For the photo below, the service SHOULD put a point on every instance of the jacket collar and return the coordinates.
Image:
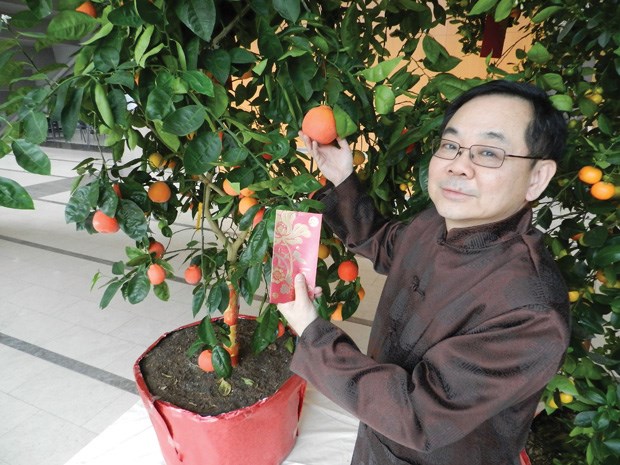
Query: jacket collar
(488, 235)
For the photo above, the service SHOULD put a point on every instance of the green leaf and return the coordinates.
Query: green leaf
(198, 15)
(613, 445)
(437, 57)
(545, 13)
(214, 299)
(31, 157)
(154, 51)
(69, 25)
(159, 104)
(562, 102)
(143, 42)
(502, 11)
(606, 256)
(254, 253)
(12, 195)
(162, 291)
(584, 418)
(288, 9)
(35, 127)
(306, 183)
(103, 105)
(81, 202)
(380, 71)
(198, 82)
(202, 153)
(539, 54)
(384, 100)
(125, 15)
(198, 299)
(40, 8)
(137, 288)
(184, 120)
(206, 333)
(71, 111)
(268, 43)
(171, 141)
(350, 31)
(109, 293)
(482, 6)
(266, 330)
(131, 219)
(221, 362)
(345, 126)
(554, 81)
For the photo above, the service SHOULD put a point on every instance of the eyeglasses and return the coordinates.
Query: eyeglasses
(481, 155)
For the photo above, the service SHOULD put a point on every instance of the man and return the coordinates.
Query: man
(473, 320)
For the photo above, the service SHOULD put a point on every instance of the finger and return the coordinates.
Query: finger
(318, 292)
(301, 287)
(341, 142)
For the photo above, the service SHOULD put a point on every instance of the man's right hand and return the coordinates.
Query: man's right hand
(335, 162)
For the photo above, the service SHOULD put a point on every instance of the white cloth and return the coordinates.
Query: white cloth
(326, 437)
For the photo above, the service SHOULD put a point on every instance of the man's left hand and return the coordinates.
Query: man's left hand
(301, 312)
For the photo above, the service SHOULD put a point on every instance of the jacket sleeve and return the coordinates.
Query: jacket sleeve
(351, 213)
(460, 383)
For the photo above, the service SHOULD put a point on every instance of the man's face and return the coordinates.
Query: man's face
(466, 194)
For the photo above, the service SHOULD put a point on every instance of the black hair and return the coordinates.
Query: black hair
(546, 133)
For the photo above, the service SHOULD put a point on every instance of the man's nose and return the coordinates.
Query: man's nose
(462, 165)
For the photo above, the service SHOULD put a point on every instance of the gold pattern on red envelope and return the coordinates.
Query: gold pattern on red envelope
(295, 250)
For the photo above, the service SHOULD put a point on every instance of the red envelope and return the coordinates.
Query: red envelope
(296, 241)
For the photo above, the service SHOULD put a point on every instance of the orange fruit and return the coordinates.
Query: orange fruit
(600, 275)
(156, 249)
(358, 157)
(566, 398)
(246, 203)
(205, 360)
(117, 189)
(337, 314)
(230, 317)
(319, 124)
(258, 217)
(573, 296)
(246, 192)
(348, 271)
(87, 8)
(229, 189)
(193, 274)
(156, 161)
(322, 180)
(590, 174)
(281, 329)
(323, 251)
(603, 190)
(104, 224)
(156, 274)
(410, 147)
(361, 293)
(159, 192)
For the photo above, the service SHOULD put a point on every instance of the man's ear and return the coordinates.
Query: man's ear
(541, 175)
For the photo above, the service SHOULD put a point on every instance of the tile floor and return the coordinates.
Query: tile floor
(66, 365)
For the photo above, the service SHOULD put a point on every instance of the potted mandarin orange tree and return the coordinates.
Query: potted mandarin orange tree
(210, 96)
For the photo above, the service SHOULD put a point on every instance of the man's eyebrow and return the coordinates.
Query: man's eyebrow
(487, 135)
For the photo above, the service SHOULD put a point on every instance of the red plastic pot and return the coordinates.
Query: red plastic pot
(261, 434)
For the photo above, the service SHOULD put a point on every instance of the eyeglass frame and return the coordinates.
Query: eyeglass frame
(439, 142)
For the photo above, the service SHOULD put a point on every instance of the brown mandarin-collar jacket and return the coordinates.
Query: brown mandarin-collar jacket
(471, 325)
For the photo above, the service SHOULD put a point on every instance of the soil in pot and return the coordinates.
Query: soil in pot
(548, 438)
(174, 377)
